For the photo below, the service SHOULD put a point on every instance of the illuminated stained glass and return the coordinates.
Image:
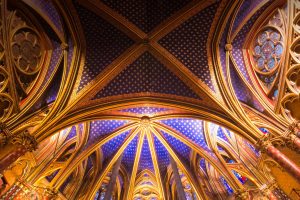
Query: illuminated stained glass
(268, 50)
(188, 196)
(241, 178)
(255, 151)
(264, 130)
(267, 55)
(226, 185)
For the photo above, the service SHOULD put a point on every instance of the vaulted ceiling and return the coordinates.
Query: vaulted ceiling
(147, 82)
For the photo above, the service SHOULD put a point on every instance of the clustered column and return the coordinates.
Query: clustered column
(14, 146)
(179, 187)
(266, 146)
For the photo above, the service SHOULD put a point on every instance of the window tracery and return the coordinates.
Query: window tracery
(146, 187)
(267, 52)
(23, 56)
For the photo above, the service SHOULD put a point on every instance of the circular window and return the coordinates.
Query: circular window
(267, 51)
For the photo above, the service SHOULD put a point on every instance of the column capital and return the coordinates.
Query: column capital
(23, 138)
(26, 140)
(242, 194)
(50, 193)
(294, 129)
(263, 143)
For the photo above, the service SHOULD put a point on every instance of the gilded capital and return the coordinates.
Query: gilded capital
(26, 140)
(263, 143)
(51, 193)
(242, 194)
(295, 129)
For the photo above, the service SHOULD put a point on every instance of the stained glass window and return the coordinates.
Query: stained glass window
(226, 185)
(264, 130)
(241, 178)
(255, 151)
(267, 54)
(268, 51)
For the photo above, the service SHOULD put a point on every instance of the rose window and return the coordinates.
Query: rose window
(268, 50)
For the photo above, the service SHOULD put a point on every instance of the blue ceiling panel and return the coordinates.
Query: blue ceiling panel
(101, 128)
(146, 159)
(129, 154)
(191, 128)
(111, 147)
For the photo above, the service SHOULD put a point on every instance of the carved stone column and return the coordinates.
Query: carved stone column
(266, 146)
(113, 179)
(179, 187)
(14, 146)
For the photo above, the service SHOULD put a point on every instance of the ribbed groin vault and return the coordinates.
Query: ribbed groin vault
(149, 99)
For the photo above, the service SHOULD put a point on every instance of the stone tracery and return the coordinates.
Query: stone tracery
(148, 109)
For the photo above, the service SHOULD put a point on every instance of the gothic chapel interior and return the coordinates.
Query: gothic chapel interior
(149, 99)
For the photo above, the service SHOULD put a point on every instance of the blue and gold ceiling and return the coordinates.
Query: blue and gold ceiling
(143, 84)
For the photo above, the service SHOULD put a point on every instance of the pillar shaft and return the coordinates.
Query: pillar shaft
(14, 146)
(11, 157)
(284, 161)
(179, 187)
(113, 179)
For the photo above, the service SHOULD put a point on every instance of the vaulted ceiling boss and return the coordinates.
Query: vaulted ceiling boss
(149, 99)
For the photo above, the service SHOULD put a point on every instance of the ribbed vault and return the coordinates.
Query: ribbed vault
(153, 100)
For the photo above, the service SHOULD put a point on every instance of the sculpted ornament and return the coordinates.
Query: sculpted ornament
(291, 101)
(51, 193)
(264, 143)
(26, 140)
(22, 56)
(242, 194)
